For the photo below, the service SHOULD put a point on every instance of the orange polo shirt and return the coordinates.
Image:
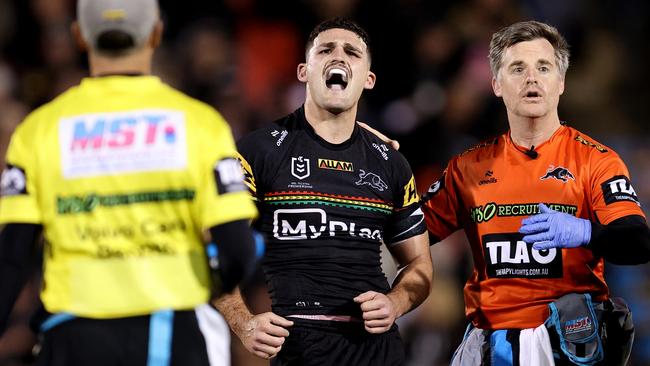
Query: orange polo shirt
(489, 189)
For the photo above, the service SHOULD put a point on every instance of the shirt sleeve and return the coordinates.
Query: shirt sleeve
(612, 193)
(18, 196)
(251, 156)
(407, 219)
(222, 194)
(440, 203)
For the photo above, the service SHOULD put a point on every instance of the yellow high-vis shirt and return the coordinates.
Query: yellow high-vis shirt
(124, 173)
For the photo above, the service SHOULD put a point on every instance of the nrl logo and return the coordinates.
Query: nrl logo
(300, 167)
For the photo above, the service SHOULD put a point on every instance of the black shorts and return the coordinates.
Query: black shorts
(322, 343)
(125, 341)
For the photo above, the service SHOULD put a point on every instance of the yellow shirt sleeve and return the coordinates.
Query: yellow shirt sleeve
(222, 195)
(18, 196)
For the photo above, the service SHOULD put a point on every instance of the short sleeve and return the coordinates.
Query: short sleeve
(18, 195)
(222, 194)
(407, 219)
(440, 203)
(252, 153)
(612, 193)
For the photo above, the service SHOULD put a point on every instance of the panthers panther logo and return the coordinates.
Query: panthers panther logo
(372, 180)
(559, 173)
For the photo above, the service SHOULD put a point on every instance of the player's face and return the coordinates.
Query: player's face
(529, 80)
(337, 70)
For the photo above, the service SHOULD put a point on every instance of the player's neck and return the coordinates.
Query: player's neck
(138, 62)
(333, 128)
(530, 132)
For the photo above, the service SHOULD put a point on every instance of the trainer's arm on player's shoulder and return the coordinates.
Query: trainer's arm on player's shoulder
(410, 288)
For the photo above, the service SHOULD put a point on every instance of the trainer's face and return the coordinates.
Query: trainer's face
(529, 80)
(337, 70)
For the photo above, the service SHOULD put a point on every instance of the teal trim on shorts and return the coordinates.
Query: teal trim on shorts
(161, 329)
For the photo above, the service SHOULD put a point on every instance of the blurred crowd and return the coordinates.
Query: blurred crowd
(433, 94)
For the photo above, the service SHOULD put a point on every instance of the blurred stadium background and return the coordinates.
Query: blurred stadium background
(433, 94)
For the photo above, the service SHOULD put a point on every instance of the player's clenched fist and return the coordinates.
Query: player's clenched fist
(379, 312)
(264, 334)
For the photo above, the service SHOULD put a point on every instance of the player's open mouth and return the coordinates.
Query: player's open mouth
(336, 78)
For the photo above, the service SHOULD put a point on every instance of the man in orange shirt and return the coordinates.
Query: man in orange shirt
(578, 206)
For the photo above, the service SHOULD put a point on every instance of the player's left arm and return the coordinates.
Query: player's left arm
(407, 240)
(410, 288)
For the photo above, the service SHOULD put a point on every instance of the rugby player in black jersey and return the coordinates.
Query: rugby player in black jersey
(330, 194)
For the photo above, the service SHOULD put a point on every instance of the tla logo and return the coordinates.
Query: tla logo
(618, 189)
(507, 256)
(300, 167)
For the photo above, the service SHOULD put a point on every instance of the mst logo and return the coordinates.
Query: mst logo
(559, 173)
(582, 324)
(507, 256)
(312, 223)
(120, 142)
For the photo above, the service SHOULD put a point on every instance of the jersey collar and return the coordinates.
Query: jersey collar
(302, 121)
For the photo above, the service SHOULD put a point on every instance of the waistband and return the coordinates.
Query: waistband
(335, 318)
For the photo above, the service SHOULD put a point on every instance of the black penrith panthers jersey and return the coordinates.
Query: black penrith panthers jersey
(325, 209)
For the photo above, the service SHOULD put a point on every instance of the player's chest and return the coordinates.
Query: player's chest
(351, 173)
(321, 194)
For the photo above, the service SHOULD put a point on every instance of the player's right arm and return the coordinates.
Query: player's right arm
(261, 334)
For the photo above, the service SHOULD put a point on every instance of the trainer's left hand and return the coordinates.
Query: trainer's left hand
(552, 229)
(393, 143)
(379, 312)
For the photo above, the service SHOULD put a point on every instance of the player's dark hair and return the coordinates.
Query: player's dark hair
(339, 23)
(528, 31)
(114, 43)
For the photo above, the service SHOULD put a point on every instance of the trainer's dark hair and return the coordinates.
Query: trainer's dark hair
(339, 23)
(528, 31)
(114, 43)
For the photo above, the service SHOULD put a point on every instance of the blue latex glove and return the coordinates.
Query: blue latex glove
(552, 229)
